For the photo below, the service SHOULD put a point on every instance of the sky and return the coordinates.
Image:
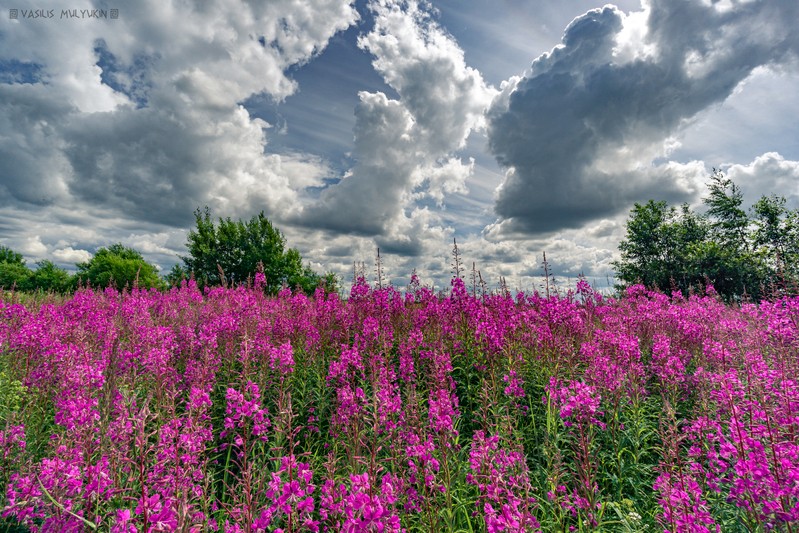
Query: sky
(514, 127)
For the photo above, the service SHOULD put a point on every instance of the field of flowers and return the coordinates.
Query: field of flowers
(397, 411)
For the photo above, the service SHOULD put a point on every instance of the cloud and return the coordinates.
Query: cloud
(70, 255)
(405, 148)
(750, 122)
(33, 167)
(114, 131)
(569, 253)
(33, 246)
(426, 67)
(768, 172)
(369, 197)
(415, 234)
(69, 234)
(579, 131)
(160, 168)
(139, 118)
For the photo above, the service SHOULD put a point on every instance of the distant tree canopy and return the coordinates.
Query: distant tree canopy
(738, 253)
(120, 267)
(239, 249)
(49, 277)
(235, 250)
(9, 256)
(15, 274)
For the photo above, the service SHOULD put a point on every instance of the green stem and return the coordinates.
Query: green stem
(92, 525)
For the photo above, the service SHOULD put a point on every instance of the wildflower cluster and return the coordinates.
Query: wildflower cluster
(229, 410)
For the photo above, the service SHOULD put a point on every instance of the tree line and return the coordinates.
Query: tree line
(224, 252)
(742, 254)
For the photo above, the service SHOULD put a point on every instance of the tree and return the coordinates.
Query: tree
(330, 282)
(50, 278)
(732, 273)
(236, 249)
(658, 245)
(738, 253)
(729, 220)
(176, 275)
(7, 255)
(14, 274)
(120, 267)
(776, 235)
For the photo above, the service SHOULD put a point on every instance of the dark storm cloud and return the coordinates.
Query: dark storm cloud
(32, 169)
(562, 131)
(144, 164)
(408, 247)
(341, 250)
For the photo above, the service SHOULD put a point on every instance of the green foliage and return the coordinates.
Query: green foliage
(729, 221)
(740, 254)
(12, 399)
(14, 276)
(50, 278)
(176, 275)
(231, 252)
(7, 255)
(120, 267)
(47, 277)
(776, 235)
(12, 393)
(330, 282)
(733, 273)
(659, 246)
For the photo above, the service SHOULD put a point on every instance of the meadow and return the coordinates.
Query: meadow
(229, 410)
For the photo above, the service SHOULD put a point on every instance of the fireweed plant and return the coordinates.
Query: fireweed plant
(229, 410)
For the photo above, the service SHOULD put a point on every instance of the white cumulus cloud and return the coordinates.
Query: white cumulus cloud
(405, 148)
(142, 115)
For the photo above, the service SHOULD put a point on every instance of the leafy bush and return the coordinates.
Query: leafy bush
(7, 255)
(120, 267)
(14, 276)
(50, 278)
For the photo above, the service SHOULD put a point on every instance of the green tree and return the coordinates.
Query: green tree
(330, 282)
(730, 222)
(236, 249)
(737, 253)
(732, 273)
(176, 275)
(658, 245)
(14, 273)
(50, 278)
(776, 235)
(119, 266)
(7, 255)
